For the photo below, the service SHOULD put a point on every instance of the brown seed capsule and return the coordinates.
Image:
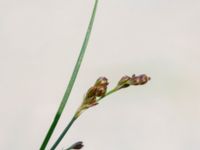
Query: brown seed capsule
(101, 90)
(124, 82)
(91, 92)
(144, 79)
(102, 81)
(139, 80)
(88, 102)
(135, 81)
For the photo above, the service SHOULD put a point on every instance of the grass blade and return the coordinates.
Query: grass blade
(72, 80)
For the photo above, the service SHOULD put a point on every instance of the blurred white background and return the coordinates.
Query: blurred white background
(39, 44)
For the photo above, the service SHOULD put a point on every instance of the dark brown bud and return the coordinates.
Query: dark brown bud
(77, 145)
(124, 82)
(102, 81)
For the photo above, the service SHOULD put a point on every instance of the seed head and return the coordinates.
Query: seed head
(101, 81)
(91, 92)
(101, 90)
(139, 80)
(97, 90)
(126, 81)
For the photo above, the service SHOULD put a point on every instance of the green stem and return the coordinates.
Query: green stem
(108, 93)
(77, 114)
(71, 82)
(63, 133)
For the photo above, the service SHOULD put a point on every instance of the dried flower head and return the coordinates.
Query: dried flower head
(101, 81)
(91, 92)
(97, 90)
(101, 90)
(139, 80)
(126, 81)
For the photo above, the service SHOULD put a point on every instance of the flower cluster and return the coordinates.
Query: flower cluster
(99, 89)
(96, 91)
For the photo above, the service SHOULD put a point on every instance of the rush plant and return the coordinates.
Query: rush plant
(94, 95)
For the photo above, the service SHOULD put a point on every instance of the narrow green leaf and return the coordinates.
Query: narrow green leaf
(72, 80)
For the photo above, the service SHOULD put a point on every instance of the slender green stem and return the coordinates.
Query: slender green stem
(72, 80)
(63, 133)
(77, 114)
(108, 93)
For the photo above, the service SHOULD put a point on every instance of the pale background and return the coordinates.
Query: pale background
(39, 44)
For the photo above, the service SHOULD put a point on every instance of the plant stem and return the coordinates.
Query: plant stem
(63, 133)
(72, 80)
(108, 93)
(73, 120)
